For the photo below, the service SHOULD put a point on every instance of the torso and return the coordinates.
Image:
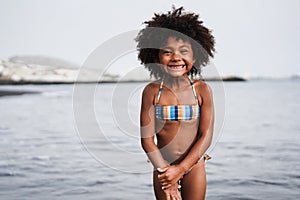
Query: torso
(176, 133)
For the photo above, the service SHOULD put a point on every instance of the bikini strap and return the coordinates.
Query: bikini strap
(194, 90)
(162, 83)
(160, 89)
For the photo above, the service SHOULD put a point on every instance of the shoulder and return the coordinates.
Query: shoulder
(204, 92)
(151, 90)
(151, 87)
(202, 87)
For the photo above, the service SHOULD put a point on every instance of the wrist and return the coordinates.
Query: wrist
(162, 168)
(182, 168)
(165, 165)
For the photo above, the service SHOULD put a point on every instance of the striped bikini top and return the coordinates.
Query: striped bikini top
(177, 112)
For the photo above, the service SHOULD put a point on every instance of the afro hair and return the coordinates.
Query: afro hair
(178, 24)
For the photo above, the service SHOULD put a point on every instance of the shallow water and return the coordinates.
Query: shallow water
(56, 146)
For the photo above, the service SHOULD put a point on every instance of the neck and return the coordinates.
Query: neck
(176, 82)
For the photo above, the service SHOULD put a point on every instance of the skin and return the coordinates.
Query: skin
(178, 142)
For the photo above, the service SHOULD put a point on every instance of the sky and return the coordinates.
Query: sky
(253, 37)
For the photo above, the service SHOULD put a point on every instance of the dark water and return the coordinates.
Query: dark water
(51, 149)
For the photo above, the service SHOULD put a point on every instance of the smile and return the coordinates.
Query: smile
(176, 67)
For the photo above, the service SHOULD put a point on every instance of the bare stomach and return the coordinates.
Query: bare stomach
(175, 138)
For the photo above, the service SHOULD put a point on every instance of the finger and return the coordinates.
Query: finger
(168, 197)
(178, 198)
(162, 170)
(179, 195)
(167, 182)
(166, 178)
(171, 195)
(162, 178)
(166, 186)
(175, 196)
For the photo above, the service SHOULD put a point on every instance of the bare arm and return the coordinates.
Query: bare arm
(147, 127)
(205, 129)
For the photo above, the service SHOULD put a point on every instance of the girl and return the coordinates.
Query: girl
(176, 107)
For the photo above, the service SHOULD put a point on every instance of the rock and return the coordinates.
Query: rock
(233, 78)
(20, 72)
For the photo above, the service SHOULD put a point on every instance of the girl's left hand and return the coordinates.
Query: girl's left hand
(170, 175)
(172, 193)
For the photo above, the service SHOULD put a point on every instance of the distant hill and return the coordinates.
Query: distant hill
(43, 60)
(45, 70)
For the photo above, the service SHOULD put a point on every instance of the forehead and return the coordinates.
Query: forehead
(176, 42)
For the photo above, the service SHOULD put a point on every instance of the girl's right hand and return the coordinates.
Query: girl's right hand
(170, 175)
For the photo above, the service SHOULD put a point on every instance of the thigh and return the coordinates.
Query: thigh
(159, 193)
(193, 185)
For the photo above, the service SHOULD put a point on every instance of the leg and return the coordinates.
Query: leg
(193, 185)
(159, 193)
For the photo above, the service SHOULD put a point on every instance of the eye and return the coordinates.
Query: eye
(184, 51)
(167, 52)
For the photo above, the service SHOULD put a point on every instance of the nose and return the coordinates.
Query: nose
(175, 57)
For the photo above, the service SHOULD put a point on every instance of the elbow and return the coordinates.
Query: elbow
(209, 137)
(206, 138)
(209, 142)
(146, 145)
(143, 144)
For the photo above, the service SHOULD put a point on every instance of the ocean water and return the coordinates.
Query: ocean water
(82, 142)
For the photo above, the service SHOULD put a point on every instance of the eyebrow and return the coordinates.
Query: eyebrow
(182, 46)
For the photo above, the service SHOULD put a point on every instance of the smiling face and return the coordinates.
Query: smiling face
(176, 57)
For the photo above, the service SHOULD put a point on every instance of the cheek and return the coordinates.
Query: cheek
(163, 60)
(190, 60)
(194, 60)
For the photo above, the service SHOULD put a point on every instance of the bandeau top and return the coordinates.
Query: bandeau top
(177, 112)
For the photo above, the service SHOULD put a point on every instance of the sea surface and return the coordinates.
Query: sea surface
(82, 142)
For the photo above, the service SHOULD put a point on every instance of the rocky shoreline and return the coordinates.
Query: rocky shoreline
(18, 71)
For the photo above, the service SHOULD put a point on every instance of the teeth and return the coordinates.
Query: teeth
(176, 66)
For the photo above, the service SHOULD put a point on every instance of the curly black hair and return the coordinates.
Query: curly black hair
(178, 24)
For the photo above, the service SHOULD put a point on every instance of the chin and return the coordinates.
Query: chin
(175, 75)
